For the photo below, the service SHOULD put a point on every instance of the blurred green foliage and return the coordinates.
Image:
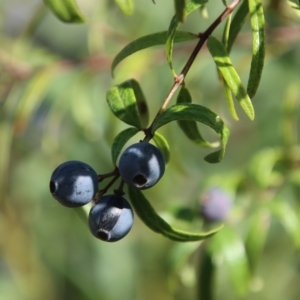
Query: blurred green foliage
(53, 82)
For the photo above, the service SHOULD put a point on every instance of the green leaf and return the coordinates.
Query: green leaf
(256, 237)
(151, 219)
(140, 102)
(190, 6)
(229, 246)
(287, 215)
(227, 91)
(258, 45)
(226, 31)
(158, 38)
(162, 145)
(223, 62)
(229, 99)
(262, 165)
(206, 276)
(180, 10)
(65, 10)
(237, 23)
(198, 113)
(190, 127)
(295, 4)
(126, 6)
(120, 140)
(33, 96)
(123, 102)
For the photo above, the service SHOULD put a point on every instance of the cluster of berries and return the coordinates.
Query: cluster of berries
(74, 184)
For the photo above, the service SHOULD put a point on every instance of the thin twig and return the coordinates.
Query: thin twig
(179, 80)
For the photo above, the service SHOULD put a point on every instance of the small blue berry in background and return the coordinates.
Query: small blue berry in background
(111, 218)
(215, 205)
(74, 183)
(141, 165)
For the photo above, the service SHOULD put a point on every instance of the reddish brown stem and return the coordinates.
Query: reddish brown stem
(179, 80)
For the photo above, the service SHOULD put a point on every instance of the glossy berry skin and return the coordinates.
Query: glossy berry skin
(141, 165)
(215, 205)
(111, 218)
(74, 183)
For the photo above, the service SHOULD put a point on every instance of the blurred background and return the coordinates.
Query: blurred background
(53, 81)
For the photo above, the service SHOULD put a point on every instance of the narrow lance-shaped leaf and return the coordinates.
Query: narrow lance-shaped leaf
(198, 113)
(158, 38)
(206, 275)
(151, 219)
(140, 102)
(223, 62)
(295, 4)
(258, 45)
(33, 96)
(256, 238)
(65, 10)
(229, 99)
(228, 245)
(162, 145)
(120, 140)
(180, 10)
(237, 23)
(122, 102)
(190, 127)
(227, 91)
(126, 6)
(190, 6)
(287, 215)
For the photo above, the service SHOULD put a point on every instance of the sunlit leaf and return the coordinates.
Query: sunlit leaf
(258, 45)
(288, 217)
(162, 145)
(82, 213)
(229, 99)
(256, 237)
(223, 62)
(148, 215)
(65, 10)
(295, 4)
(120, 140)
(190, 127)
(123, 103)
(158, 38)
(198, 113)
(126, 6)
(237, 23)
(227, 91)
(228, 245)
(190, 6)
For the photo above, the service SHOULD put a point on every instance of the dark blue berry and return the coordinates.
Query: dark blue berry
(74, 183)
(111, 218)
(215, 205)
(141, 165)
